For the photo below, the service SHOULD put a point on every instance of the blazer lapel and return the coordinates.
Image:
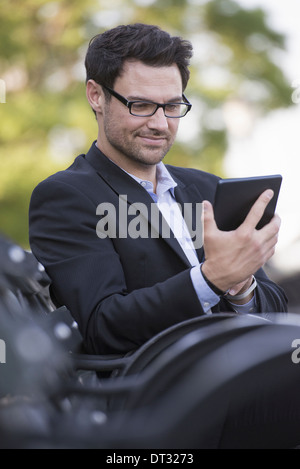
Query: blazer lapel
(132, 192)
(190, 199)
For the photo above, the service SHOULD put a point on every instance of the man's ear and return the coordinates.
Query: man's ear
(94, 95)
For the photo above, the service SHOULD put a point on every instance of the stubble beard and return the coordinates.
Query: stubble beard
(132, 149)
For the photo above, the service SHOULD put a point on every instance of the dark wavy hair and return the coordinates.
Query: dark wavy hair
(149, 44)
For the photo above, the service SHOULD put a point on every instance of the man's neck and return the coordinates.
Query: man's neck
(142, 171)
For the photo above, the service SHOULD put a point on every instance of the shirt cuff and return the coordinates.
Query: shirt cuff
(247, 308)
(206, 296)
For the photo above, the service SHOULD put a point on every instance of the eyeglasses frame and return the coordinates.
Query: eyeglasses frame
(128, 104)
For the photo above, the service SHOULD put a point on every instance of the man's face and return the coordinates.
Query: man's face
(132, 141)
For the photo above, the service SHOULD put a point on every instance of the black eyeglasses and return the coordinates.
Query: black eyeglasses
(147, 108)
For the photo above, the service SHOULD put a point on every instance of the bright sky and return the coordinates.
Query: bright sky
(273, 144)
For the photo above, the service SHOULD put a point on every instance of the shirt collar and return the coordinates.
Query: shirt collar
(164, 180)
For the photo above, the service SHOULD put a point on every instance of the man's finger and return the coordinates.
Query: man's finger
(257, 209)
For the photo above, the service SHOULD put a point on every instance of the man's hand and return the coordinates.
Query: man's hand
(232, 257)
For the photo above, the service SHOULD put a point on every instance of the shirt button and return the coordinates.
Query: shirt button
(143, 183)
(206, 304)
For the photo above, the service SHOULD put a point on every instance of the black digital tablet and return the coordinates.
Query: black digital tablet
(235, 197)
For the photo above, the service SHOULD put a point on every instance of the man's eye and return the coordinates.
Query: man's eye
(141, 106)
(173, 108)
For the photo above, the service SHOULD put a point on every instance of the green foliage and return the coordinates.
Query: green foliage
(46, 120)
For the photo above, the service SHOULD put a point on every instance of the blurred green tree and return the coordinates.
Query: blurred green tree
(46, 121)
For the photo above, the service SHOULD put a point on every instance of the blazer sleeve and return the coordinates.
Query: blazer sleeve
(88, 277)
(270, 297)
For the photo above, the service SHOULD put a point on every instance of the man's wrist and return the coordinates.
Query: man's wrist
(245, 294)
(212, 286)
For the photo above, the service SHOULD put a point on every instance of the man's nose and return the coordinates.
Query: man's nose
(158, 120)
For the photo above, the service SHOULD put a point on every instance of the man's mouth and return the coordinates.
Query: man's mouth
(155, 140)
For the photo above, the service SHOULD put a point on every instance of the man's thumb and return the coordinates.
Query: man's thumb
(208, 214)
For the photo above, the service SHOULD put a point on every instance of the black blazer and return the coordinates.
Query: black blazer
(121, 291)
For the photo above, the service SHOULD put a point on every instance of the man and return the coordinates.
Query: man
(123, 283)
(119, 232)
